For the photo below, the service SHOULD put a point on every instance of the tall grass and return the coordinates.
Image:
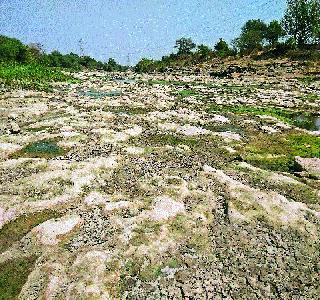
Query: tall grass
(30, 76)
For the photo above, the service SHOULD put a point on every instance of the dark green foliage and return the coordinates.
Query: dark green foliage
(274, 32)
(302, 21)
(75, 62)
(145, 65)
(184, 46)
(12, 50)
(204, 52)
(222, 48)
(28, 67)
(252, 36)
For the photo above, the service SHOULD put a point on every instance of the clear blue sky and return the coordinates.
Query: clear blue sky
(143, 28)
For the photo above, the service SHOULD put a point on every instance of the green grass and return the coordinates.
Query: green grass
(15, 230)
(299, 119)
(13, 275)
(186, 93)
(277, 152)
(311, 97)
(308, 79)
(280, 114)
(31, 77)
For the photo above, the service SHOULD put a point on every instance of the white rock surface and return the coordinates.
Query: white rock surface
(50, 231)
(165, 208)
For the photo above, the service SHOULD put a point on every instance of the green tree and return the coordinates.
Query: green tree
(111, 65)
(184, 46)
(35, 51)
(222, 48)
(301, 21)
(315, 21)
(144, 65)
(252, 36)
(274, 32)
(12, 50)
(204, 51)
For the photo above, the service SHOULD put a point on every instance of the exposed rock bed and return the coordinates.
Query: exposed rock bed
(162, 189)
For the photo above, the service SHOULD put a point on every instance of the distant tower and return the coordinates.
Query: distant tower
(81, 47)
(128, 59)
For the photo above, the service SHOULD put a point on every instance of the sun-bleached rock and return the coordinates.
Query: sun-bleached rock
(51, 231)
(134, 150)
(9, 147)
(96, 198)
(110, 206)
(270, 204)
(310, 165)
(165, 208)
(219, 119)
(190, 130)
(6, 215)
(134, 131)
(229, 136)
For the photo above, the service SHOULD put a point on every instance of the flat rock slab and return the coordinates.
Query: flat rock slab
(165, 208)
(310, 165)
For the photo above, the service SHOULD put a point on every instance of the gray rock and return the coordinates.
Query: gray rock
(308, 165)
(14, 128)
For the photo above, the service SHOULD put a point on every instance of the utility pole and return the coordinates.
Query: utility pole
(81, 47)
(128, 60)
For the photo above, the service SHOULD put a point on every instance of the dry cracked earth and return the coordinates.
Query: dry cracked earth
(197, 184)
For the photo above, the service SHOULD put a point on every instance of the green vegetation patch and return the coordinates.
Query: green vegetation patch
(18, 228)
(312, 97)
(308, 79)
(31, 76)
(13, 275)
(145, 233)
(243, 109)
(277, 152)
(187, 93)
(40, 149)
(305, 120)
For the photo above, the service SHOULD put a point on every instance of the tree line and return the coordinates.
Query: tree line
(13, 51)
(297, 31)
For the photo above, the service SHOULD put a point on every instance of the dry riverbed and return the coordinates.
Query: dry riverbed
(186, 185)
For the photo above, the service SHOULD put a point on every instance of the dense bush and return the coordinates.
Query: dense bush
(12, 50)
